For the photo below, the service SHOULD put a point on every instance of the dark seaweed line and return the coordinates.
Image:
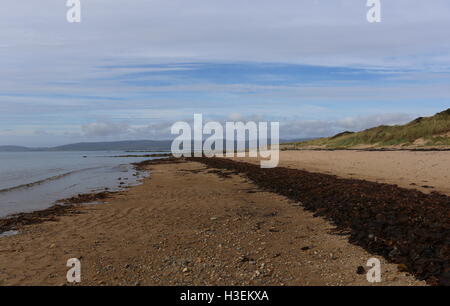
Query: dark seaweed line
(404, 226)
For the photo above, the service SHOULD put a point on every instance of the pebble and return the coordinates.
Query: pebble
(360, 270)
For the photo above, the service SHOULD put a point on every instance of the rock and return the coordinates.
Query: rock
(360, 270)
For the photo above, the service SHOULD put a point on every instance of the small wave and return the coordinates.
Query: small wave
(48, 179)
(8, 233)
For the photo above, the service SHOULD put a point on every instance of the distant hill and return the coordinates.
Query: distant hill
(13, 149)
(131, 145)
(422, 132)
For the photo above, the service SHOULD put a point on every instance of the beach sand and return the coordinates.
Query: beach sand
(190, 225)
(425, 171)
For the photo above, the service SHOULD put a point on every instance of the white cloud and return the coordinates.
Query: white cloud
(52, 71)
(296, 31)
(289, 128)
(320, 128)
(364, 122)
(104, 129)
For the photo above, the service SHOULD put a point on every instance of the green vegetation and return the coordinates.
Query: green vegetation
(423, 131)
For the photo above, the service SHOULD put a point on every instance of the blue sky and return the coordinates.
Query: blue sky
(131, 69)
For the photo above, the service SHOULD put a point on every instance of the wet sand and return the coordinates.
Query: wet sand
(189, 225)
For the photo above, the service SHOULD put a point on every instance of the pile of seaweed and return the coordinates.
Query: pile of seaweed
(16, 221)
(142, 166)
(86, 198)
(64, 207)
(405, 226)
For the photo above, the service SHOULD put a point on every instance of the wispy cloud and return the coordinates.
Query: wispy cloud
(148, 63)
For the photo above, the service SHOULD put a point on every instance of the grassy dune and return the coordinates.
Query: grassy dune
(422, 132)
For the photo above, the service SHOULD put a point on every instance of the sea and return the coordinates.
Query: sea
(32, 181)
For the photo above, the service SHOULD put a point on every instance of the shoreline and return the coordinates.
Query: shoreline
(31, 182)
(189, 225)
(65, 206)
(74, 211)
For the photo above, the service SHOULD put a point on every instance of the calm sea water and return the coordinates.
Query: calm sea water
(35, 180)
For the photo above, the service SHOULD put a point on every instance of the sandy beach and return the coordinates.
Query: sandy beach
(424, 171)
(124, 130)
(188, 224)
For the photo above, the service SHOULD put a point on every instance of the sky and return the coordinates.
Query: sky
(132, 68)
